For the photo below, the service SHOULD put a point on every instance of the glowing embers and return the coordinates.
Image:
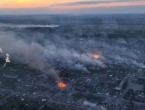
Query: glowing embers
(61, 85)
(96, 56)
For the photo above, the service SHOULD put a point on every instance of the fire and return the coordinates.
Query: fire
(61, 85)
(96, 56)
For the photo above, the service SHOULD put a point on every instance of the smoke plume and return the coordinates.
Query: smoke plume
(46, 51)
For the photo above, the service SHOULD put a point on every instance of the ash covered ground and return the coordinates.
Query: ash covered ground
(72, 62)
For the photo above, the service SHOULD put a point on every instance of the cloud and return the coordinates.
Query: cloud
(105, 10)
(43, 10)
(80, 3)
(82, 7)
(91, 2)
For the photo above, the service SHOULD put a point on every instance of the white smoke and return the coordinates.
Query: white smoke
(7, 60)
(69, 53)
(27, 26)
(1, 50)
(81, 67)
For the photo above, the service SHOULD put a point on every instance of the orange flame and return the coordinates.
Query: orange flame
(96, 56)
(61, 85)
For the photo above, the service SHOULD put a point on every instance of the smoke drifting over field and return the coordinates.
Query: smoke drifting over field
(45, 51)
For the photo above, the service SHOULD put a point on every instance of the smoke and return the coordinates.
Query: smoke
(28, 53)
(27, 26)
(1, 50)
(47, 51)
(7, 60)
(81, 67)
(44, 57)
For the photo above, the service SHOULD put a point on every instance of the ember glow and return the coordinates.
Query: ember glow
(96, 56)
(61, 85)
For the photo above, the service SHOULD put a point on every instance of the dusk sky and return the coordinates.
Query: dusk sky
(71, 6)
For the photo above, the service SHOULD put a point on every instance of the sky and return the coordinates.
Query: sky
(71, 6)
